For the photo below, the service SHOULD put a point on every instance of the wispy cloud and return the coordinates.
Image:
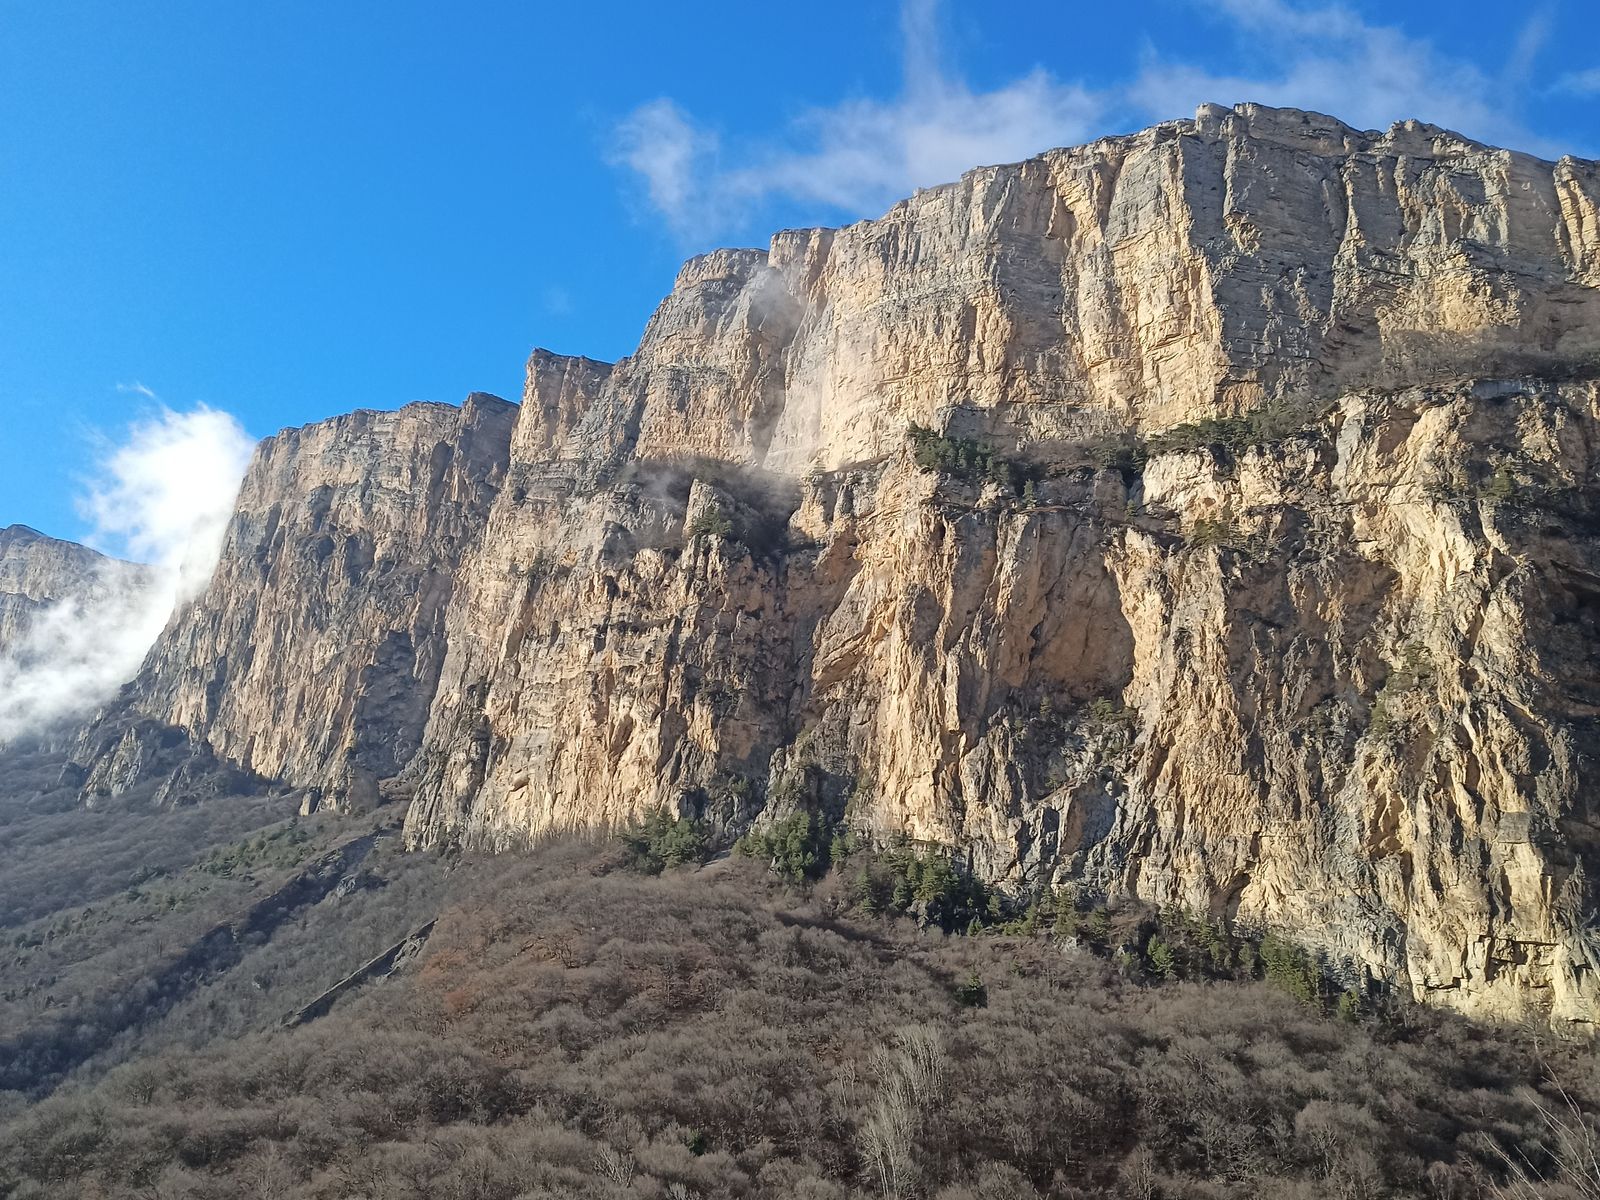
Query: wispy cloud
(162, 497)
(671, 155)
(556, 301)
(1580, 83)
(856, 157)
(1530, 42)
(1329, 59)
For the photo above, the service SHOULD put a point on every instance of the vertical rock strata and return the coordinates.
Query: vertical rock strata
(312, 655)
(1325, 664)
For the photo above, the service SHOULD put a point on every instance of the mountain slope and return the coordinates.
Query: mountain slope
(573, 1030)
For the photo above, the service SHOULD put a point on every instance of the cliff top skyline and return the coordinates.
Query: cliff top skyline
(290, 218)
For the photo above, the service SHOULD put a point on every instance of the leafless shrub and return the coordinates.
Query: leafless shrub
(1574, 1145)
(911, 1080)
(616, 1165)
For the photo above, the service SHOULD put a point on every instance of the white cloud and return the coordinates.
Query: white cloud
(162, 497)
(866, 155)
(857, 157)
(1329, 59)
(661, 144)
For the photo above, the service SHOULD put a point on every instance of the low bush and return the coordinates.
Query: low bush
(660, 840)
(1293, 969)
(798, 848)
(710, 521)
(1271, 423)
(926, 884)
(1220, 531)
(287, 846)
(971, 992)
(970, 460)
(1261, 426)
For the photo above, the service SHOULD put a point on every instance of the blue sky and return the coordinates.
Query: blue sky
(288, 210)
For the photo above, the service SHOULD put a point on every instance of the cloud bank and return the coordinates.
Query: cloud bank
(856, 158)
(163, 498)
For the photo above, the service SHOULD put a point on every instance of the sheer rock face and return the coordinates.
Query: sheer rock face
(1332, 673)
(1339, 682)
(1195, 268)
(312, 655)
(37, 572)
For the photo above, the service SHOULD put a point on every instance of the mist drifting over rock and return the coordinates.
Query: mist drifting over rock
(74, 623)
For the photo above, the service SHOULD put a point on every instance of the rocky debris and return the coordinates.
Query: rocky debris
(380, 966)
(119, 753)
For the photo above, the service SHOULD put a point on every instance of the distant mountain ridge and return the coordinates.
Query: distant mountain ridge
(37, 571)
(1207, 515)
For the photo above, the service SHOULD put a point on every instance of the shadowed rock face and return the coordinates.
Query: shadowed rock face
(1329, 669)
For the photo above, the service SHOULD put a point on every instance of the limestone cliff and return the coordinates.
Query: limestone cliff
(1206, 514)
(312, 655)
(1327, 667)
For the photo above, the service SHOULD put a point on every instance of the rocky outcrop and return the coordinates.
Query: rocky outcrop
(379, 966)
(1206, 515)
(39, 572)
(311, 656)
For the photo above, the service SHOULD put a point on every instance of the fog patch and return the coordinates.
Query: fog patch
(162, 497)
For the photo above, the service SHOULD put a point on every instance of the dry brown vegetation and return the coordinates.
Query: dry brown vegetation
(576, 1029)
